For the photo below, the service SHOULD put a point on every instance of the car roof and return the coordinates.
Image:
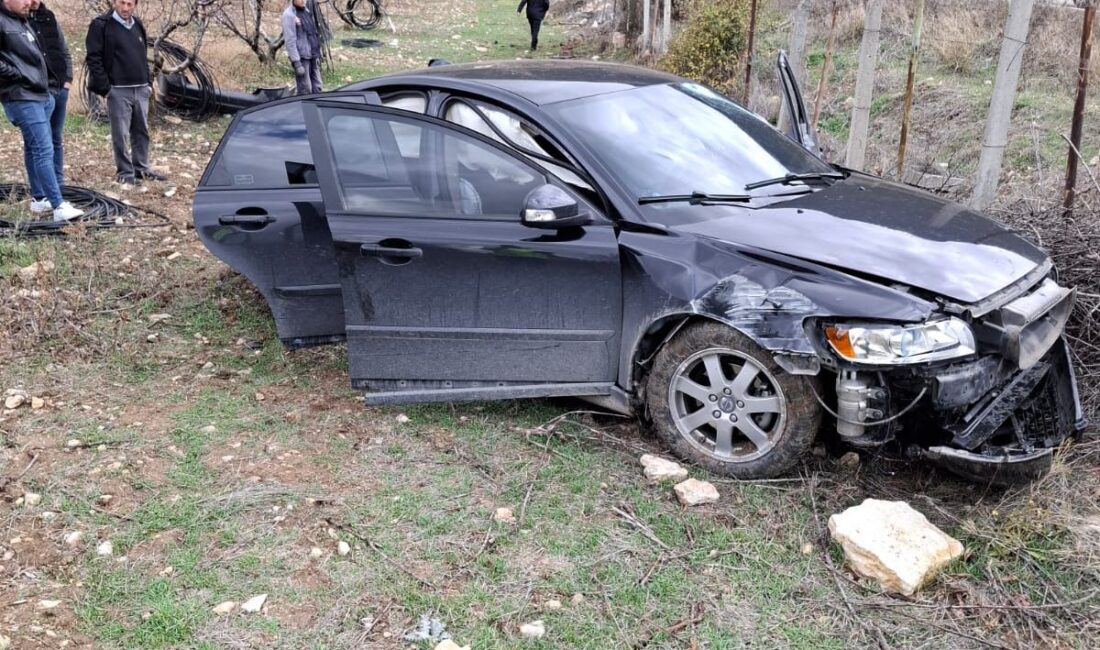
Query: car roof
(539, 81)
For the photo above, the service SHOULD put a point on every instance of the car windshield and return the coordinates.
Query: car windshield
(681, 138)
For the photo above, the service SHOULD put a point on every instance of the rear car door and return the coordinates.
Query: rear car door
(447, 294)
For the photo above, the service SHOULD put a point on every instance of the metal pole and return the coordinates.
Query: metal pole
(914, 54)
(1079, 108)
(748, 61)
(825, 65)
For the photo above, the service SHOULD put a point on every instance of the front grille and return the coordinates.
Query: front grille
(1047, 417)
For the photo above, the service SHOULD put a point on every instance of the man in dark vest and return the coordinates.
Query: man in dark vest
(303, 46)
(25, 95)
(536, 11)
(59, 66)
(118, 69)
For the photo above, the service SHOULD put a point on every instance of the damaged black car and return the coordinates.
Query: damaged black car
(562, 228)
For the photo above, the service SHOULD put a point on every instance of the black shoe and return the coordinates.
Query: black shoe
(126, 179)
(150, 175)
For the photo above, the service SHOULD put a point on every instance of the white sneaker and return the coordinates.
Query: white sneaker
(40, 206)
(66, 212)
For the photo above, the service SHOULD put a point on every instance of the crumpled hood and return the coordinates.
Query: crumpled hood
(883, 229)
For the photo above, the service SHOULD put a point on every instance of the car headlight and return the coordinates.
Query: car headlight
(901, 344)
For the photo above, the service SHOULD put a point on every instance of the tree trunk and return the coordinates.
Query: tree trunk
(1000, 107)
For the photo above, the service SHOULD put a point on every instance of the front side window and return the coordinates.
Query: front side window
(463, 177)
(679, 138)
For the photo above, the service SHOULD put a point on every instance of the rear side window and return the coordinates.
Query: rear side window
(266, 149)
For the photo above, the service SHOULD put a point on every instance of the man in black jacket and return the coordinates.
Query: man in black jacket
(536, 11)
(118, 69)
(25, 95)
(59, 68)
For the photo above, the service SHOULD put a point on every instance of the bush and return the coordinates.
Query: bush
(711, 48)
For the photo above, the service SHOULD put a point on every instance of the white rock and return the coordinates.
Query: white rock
(447, 644)
(532, 630)
(553, 604)
(48, 604)
(14, 401)
(105, 548)
(316, 553)
(210, 428)
(693, 492)
(662, 469)
(31, 499)
(74, 443)
(577, 599)
(893, 543)
(74, 538)
(156, 318)
(504, 516)
(254, 604)
(343, 548)
(402, 418)
(5, 642)
(37, 403)
(222, 609)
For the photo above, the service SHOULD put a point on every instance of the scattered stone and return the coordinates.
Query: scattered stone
(447, 644)
(532, 630)
(104, 499)
(316, 553)
(849, 462)
(175, 255)
(37, 403)
(74, 538)
(343, 548)
(14, 401)
(893, 543)
(807, 548)
(504, 516)
(428, 629)
(694, 492)
(5, 642)
(260, 397)
(577, 599)
(227, 458)
(210, 428)
(167, 571)
(157, 318)
(106, 548)
(31, 499)
(209, 365)
(553, 605)
(48, 604)
(254, 604)
(170, 192)
(74, 443)
(48, 516)
(402, 418)
(172, 119)
(221, 609)
(34, 270)
(662, 469)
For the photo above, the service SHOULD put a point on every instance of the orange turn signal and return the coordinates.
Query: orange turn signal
(838, 338)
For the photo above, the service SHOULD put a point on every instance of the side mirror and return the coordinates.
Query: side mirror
(550, 207)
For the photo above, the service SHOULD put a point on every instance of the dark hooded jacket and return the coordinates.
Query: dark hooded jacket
(535, 8)
(59, 63)
(23, 75)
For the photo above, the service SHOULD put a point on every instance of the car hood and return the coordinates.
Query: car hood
(874, 227)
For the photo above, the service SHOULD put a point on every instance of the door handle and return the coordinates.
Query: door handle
(254, 220)
(378, 250)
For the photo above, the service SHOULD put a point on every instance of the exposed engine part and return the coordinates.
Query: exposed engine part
(853, 395)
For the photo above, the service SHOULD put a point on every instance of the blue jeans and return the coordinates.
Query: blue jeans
(33, 120)
(57, 127)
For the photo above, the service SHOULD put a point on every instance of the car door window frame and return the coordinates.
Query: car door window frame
(442, 126)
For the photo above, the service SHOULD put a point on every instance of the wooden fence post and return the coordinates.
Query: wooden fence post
(748, 58)
(1079, 108)
(914, 55)
(865, 86)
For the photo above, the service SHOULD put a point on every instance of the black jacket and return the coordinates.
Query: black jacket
(535, 8)
(23, 75)
(103, 71)
(58, 61)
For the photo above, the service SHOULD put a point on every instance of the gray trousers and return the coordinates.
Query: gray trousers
(310, 82)
(128, 109)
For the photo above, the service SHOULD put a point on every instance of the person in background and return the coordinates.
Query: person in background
(303, 46)
(119, 70)
(536, 11)
(25, 95)
(59, 68)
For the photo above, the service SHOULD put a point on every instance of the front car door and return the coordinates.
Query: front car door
(800, 128)
(447, 295)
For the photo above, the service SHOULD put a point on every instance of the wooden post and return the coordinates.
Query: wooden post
(1079, 108)
(825, 65)
(865, 86)
(914, 55)
(1000, 106)
(796, 53)
(748, 58)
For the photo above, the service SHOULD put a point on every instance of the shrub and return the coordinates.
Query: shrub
(710, 49)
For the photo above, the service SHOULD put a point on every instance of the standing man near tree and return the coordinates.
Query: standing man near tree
(25, 95)
(536, 11)
(59, 66)
(303, 46)
(118, 69)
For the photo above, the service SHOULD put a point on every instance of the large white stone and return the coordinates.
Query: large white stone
(662, 469)
(694, 492)
(893, 543)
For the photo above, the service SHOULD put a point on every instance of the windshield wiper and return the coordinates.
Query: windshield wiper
(696, 198)
(791, 178)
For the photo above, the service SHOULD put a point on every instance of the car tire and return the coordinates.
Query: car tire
(767, 418)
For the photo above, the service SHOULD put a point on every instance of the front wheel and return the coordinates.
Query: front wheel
(720, 401)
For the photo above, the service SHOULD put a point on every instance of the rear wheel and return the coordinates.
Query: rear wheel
(720, 401)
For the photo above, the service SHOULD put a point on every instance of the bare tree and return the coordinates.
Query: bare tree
(245, 20)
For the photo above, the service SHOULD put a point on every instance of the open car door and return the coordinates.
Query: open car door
(449, 294)
(800, 129)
